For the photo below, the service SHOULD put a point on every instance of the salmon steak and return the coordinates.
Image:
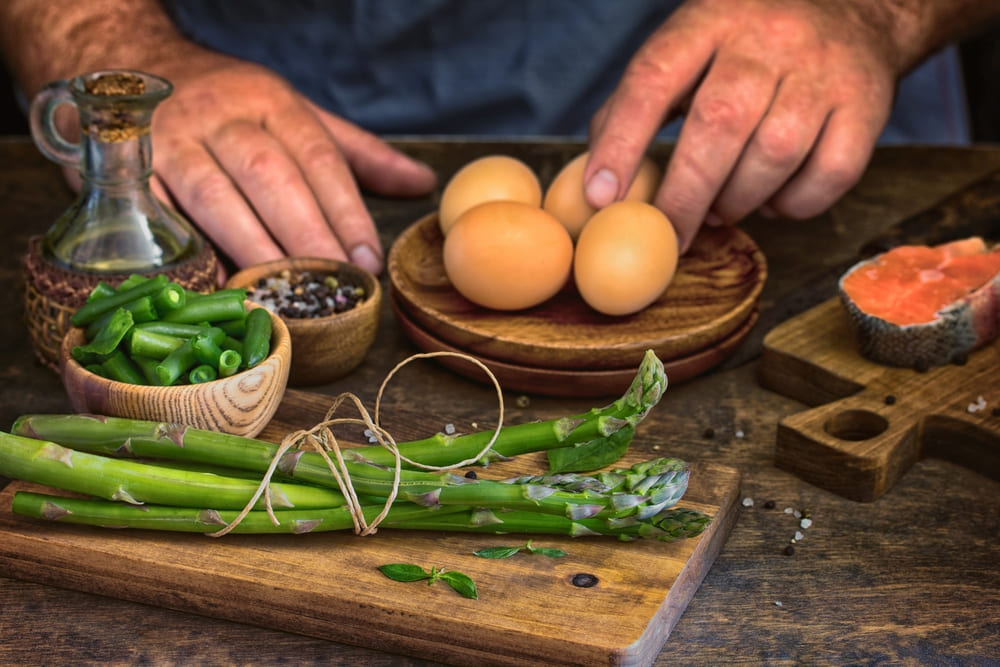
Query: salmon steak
(923, 306)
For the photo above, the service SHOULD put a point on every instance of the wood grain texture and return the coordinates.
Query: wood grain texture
(575, 382)
(241, 404)
(715, 290)
(872, 421)
(327, 585)
(910, 578)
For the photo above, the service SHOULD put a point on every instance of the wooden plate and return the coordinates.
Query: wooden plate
(717, 287)
(564, 382)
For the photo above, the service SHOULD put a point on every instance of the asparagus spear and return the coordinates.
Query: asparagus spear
(644, 489)
(133, 482)
(109, 435)
(193, 520)
(668, 525)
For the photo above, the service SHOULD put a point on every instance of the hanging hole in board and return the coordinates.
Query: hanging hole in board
(856, 425)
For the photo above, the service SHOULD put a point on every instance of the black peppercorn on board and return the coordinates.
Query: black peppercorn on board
(617, 601)
(871, 422)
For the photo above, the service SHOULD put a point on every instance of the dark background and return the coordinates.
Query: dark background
(980, 61)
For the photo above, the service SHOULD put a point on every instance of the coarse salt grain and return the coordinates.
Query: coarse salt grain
(798, 535)
(805, 523)
(449, 429)
(980, 404)
(748, 502)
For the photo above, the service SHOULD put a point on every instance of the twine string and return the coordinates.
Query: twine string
(321, 439)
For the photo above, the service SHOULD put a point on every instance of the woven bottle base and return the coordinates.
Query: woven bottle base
(53, 293)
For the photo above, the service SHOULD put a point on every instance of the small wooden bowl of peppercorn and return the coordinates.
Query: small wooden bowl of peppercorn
(331, 309)
(242, 403)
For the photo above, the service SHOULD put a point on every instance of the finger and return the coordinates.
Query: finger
(274, 184)
(776, 150)
(725, 112)
(205, 193)
(338, 211)
(660, 75)
(378, 166)
(835, 165)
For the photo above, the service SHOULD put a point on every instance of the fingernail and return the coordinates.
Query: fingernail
(365, 257)
(602, 188)
(713, 220)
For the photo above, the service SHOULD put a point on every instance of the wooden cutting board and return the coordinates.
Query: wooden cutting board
(872, 422)
(327, 585)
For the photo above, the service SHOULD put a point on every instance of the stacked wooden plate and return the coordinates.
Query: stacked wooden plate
(564, 348)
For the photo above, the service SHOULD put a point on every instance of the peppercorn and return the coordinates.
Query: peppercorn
(304, 295)
(890, 400)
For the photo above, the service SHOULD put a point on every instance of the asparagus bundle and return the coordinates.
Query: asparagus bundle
(609, 425)
(177, 492)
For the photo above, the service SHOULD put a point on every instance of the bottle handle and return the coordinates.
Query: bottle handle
(43, 128)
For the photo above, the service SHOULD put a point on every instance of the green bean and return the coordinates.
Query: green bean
(142, 311)
(171, 297)
(257, 342)
(230, 343)
(130, 282)
(100, 291)
(182, 359)
(202, 373)
(235, 328)
(120, 368)
(229, 362)
(207, 309)
(93, 310)
(106, 340)
(226, 293)
(206, 350)
(148, 367)
(175, 329)
(146, 343)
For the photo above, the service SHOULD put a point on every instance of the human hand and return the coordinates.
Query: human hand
(265, 173)
(784, 101)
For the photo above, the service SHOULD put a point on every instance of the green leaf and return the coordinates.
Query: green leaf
(591, 455)
(547, 551)
(460, 583)
(404, 572)
(507, 552)
(496, 552)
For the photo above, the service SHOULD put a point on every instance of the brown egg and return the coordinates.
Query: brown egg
(564, 197)
(486, 179)
(625, 257)
(507, 255)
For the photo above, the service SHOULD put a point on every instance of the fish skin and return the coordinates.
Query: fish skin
(958, 329)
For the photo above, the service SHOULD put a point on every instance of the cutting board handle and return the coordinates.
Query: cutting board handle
(872, 422)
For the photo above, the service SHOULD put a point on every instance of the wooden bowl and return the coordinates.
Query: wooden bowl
(241, 404)
(324, 348)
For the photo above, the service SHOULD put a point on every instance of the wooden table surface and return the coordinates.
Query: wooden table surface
(913, 577)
